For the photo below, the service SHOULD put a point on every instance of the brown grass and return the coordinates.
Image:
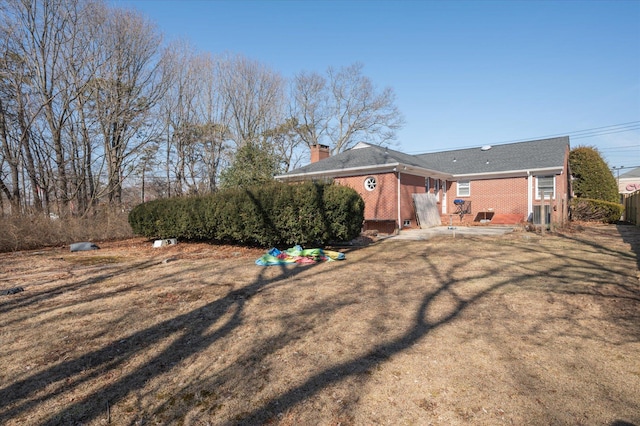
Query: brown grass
(521, 329)
(27, 232)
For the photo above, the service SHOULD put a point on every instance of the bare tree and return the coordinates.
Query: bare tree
(52, 43)
(311, 107)
(127, 88)
(10, 153)
(255, 95)
(46, 35)
(214, 113)
(344, 109)
(88, 96)
(285, 139)
(180, 115)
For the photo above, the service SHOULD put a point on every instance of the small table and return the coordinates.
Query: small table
(462, 207)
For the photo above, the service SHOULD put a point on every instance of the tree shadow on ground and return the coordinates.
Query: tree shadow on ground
(438, 308)
(198, 329)
(631, 235)
(194, 331)
(33, 295)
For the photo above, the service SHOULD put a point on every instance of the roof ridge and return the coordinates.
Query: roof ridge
(563, 138)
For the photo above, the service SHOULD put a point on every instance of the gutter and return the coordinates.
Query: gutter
(510, 173)
(341, 172)
(354, 171)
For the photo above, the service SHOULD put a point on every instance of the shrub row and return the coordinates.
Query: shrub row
(269, 215)
(591, 210)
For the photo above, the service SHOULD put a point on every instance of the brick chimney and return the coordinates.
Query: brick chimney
(319, 152)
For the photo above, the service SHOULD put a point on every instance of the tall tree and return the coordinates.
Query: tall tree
(285, 140)
(214, 112)
(44, 36)
(10, 131)
(128, 86)
(255, 98)
(179, 105)
(254, 94)
(343, 109)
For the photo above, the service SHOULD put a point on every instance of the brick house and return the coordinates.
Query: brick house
(500, 184)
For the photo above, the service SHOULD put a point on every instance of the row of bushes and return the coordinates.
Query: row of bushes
(269, 215)
(591, 210)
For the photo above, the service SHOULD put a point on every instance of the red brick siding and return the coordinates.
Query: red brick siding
(409, 185)
(382, 202)
(508, 195)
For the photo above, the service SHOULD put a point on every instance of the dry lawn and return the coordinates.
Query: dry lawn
(522, 329)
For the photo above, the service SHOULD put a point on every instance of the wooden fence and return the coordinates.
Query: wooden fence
(632, 208)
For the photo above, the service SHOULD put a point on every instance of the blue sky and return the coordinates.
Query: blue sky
(465, 73)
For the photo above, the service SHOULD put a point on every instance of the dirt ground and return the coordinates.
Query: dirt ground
(521, 329)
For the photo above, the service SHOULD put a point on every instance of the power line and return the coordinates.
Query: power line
(627, 148)
(576, 134)
(588, 133)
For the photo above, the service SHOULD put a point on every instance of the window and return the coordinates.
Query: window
(540, 216)
(370, 183)
(464, 188)
(545, 187)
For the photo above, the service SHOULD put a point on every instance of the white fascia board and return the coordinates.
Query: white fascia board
(352, 171)
(509, 173)
(355, 171)
(419, 171)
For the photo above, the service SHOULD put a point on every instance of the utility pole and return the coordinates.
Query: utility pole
(617, 169)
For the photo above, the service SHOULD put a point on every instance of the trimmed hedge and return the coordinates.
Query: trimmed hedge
(592, 178)
(268, 215)
(591, 210)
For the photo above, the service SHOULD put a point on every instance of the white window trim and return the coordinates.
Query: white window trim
(553, 195)
(468, 186)
(370, 183)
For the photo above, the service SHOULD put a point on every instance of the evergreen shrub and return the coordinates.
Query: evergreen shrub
(592, 178)
(266, 215)
(591, 210)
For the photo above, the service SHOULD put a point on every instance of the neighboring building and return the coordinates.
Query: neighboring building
(629, 182)
(509, 183)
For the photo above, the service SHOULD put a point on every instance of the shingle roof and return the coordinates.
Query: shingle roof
(360, 157)
(633, 173)
(539, 154)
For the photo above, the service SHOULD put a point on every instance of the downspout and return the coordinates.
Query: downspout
(399, 215)
(444, 197)
(529, 195)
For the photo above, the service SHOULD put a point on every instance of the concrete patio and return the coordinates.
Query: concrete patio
(427, 233)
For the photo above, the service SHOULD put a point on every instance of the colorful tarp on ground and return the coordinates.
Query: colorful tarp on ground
(297, 254)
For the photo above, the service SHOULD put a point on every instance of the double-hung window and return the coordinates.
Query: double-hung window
(545, 187)
(464, 188)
